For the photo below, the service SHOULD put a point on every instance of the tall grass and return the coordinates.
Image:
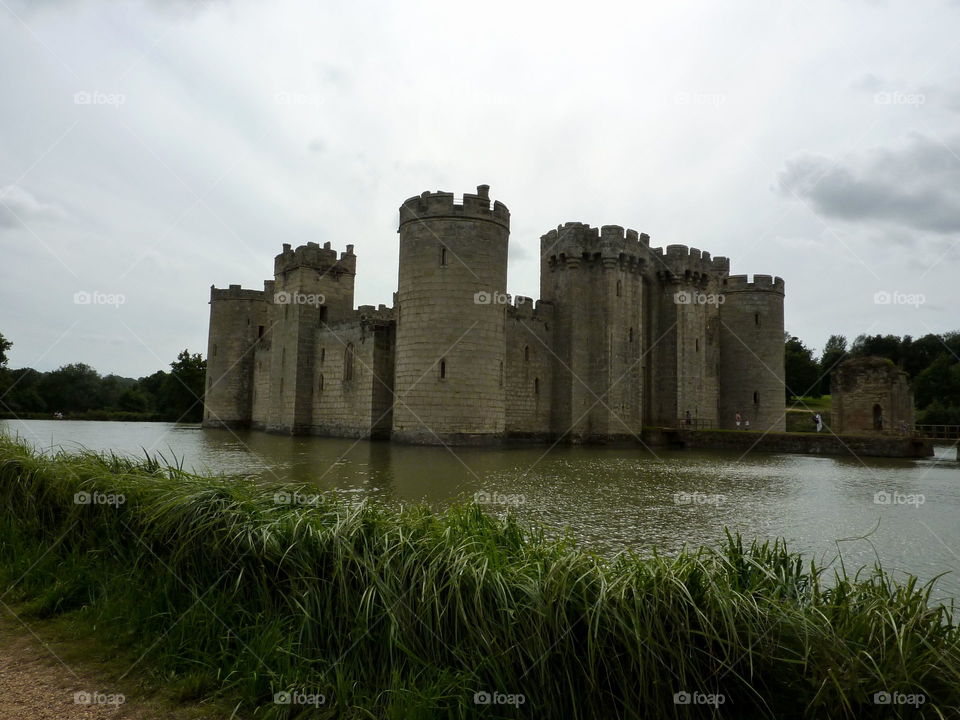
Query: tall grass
(406, 613)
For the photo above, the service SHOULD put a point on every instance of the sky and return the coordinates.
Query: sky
(151, 149)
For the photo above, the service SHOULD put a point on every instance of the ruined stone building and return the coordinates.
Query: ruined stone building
(871, 395)
(624, 335)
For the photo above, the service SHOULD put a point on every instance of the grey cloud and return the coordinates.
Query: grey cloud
(18, 206)
(915, 185)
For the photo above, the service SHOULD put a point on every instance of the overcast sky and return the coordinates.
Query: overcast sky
(151, 149)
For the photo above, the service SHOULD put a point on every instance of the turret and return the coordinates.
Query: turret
(451, 298)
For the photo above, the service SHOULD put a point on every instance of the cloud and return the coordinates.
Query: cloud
(19, 206)
(914, 185)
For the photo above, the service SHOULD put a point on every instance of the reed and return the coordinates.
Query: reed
(408, 613)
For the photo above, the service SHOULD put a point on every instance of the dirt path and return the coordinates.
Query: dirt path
(41, 679)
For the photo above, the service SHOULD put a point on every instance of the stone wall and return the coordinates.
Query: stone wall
(871, 395)
(807, 444)
(529, 368)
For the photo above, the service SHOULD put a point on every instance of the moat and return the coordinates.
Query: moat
(610, 498)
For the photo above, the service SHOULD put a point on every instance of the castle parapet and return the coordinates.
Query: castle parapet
(524, 308)
(235, 292)
(760, 283)
(609, 244)
(475, 206)
(311, 255)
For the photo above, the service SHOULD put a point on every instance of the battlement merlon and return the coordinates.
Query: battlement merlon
(323, 259)
(524, 308)
(235, 292)
(687, 263)
(760, 283)
(610, 244)
(441, 205)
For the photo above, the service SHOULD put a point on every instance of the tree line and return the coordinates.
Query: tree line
(932, 362)
(78, 391)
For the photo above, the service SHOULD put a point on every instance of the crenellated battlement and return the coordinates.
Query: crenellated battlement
(573, 243)
(443, 205)
(760, 283)
(687, 263)
(524, 308)
(235, 292)
(311, 255)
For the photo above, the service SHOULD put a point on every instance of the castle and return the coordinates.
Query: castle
(623, 336)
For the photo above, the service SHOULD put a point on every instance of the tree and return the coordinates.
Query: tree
(834, 353)
(180, 397)
(71, 388)
(801, 370)
(4, 346)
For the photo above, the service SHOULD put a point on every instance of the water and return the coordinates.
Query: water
(610, 498)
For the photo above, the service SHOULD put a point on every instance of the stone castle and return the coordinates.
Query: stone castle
(624, 335)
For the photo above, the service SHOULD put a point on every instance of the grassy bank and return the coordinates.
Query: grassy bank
(411, 614)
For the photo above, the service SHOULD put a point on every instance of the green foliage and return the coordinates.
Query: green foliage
(4, 346)
(79, 391)
(801, 370)
(834, 353)
(406, 613)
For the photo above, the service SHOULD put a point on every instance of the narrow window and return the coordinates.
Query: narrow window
(443, 369)
(348, 363)
(526, 353)
(443, 257)
(214, 349)
(501, 373)
(536, 386)
(756, 319)
(320, 383)
(259, 331)
(619, 288)
(697, 344)
(323, 314)
(323, 354)
(756, 397)
(631, 334)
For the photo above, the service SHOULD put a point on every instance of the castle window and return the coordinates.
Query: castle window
(443, 369)
(443, 257)
(501, 373)
(756, 319)
(214, 350)
(348, 363)
(259, 331)
(536, 386)
(323, 314)
(323, 354)
(526, 353)
(619, 288)
(320, 383)
(631, 335)
(697, 344)
(756, 397)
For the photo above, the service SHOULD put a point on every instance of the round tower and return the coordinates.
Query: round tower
(751, 353)
(451, 303)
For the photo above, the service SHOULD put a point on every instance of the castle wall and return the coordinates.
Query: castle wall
(450, 346)
(235, 316)
(752, 353)
(529, 368)
(871, 396)
(353, 380)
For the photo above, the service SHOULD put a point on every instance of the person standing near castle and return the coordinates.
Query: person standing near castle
(738, 419)
(818, 421)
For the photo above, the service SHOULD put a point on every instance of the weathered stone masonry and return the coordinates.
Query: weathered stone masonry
(624, 335)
